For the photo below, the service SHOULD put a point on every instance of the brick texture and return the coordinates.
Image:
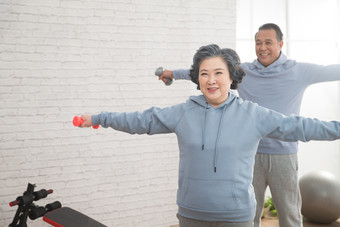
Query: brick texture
(61, 58)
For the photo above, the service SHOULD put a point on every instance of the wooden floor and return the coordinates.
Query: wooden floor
(275, 223)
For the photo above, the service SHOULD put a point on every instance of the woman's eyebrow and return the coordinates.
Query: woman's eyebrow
(214, 69)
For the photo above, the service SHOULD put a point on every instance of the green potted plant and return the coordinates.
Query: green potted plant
(269, 210)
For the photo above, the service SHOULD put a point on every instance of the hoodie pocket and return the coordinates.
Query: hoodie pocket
(207, 195)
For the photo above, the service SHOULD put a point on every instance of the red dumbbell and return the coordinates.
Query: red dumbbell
(78, 121)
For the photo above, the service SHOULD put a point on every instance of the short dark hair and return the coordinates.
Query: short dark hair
(276, 28)
(229, 56)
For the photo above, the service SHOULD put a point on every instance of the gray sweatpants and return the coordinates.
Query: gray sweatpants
(280, 173)
(188, 222)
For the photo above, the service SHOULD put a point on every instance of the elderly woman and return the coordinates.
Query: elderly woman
(218, 134)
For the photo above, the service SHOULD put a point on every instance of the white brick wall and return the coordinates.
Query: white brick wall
(62, 58)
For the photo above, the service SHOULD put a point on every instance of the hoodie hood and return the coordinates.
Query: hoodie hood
(282, 63)
(202, 101)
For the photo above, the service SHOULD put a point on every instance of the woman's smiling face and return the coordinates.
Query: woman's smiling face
(214, 80)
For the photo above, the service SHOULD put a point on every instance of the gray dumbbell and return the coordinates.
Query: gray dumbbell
(159, 72)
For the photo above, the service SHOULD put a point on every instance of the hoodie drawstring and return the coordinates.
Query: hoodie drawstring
(218, 139)
(203, 132)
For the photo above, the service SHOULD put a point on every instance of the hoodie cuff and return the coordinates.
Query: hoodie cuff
(95, 119)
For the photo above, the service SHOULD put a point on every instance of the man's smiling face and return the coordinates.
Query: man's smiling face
(267, 47)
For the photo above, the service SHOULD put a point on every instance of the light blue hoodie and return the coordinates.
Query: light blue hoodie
(217, 149)
(279, 87)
